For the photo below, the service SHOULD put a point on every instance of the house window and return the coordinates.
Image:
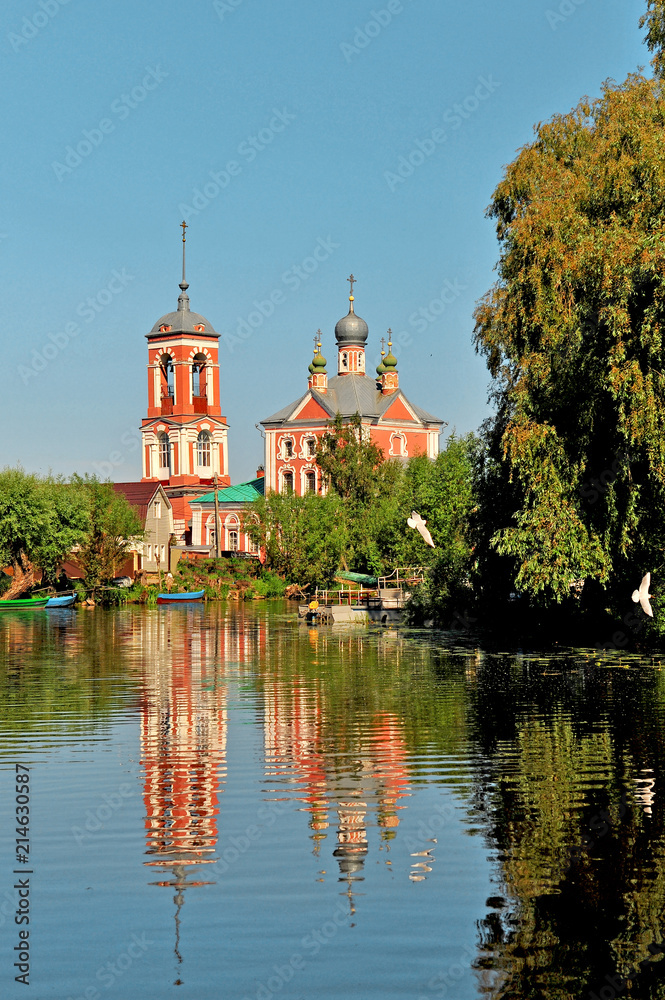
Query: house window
(203, 449)
(149, 553)
(158, 508)
(251, 544)
(287, 482)
(288, 448)
(311, 447)
(310, 482)
(164, 453)
(163, 554)
(233, 541)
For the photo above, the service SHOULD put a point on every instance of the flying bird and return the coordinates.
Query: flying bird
(416, 521)
(642, 595)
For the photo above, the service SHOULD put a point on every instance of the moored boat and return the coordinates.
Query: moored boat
(24, 603)
(192, 595)
(61, 601)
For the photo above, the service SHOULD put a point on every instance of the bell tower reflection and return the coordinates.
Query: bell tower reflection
(183, 743)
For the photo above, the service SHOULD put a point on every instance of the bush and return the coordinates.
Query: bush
(269, 585)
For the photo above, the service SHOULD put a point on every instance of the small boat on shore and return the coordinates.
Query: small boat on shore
(192, 595)
(24, 603)
(61, 601)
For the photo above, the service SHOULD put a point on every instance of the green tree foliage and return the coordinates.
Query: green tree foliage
(442, 493)
(303, 537)
(354, 468)
(308, 539)
(573, 336)
(113, 526)
(41, 519)
(654, 20)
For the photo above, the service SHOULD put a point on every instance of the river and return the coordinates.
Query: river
(221, 802)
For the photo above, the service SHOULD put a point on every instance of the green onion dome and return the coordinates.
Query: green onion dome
(319, 363)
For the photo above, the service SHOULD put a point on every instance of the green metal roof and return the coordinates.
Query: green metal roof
(242, 493)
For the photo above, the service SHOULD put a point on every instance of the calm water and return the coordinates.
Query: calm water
(225, 803)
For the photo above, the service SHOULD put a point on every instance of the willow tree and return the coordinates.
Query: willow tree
(573, 333)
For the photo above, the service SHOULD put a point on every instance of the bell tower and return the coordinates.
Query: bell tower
(184, 434)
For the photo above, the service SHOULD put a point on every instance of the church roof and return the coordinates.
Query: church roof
(349, 394)
(242, 493)
(183, 320)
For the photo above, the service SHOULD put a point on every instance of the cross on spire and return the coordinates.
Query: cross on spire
(183, 283)
(316, 340)
(352, 281)
(383, 345)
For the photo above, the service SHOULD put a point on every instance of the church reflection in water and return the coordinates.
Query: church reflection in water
(189, 660)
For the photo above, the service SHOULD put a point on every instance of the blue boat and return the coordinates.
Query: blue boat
(65, 601)
(192, 595)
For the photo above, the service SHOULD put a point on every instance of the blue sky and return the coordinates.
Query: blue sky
(371, 133)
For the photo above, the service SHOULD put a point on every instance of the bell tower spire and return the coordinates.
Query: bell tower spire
(183, 298)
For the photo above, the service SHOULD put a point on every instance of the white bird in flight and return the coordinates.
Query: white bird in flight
(416, 521)
(642, 595)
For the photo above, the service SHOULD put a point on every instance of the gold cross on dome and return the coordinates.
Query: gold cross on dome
(352, 282)
(383, 345)
(316, 341)
(184, 227)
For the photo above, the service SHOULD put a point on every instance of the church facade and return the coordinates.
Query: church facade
(399, 427)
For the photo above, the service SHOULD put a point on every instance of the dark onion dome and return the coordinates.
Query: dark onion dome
(351, 331)
(183, 320)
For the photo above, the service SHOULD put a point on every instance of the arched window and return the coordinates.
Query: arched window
(310, 482)
(287, 482)
(199, 375)
(311, 447)
(164, 451)
(288, 448)
(166, 367)
(233, 541)
(203, 449)
(345, 360)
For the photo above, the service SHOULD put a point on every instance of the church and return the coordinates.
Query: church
(185, 436)
(399, 427)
